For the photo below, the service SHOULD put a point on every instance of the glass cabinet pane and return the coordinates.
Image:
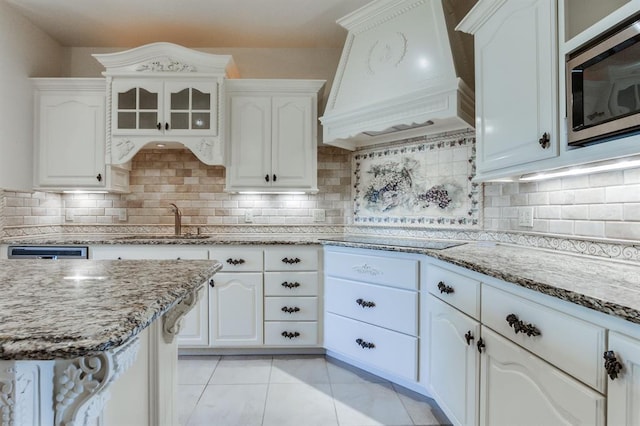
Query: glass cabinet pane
(179, 120)
(148, 100)
(126, 120)
(180, 100)
(200, 120)
(200, 100)
(148, 120)
(127, 100)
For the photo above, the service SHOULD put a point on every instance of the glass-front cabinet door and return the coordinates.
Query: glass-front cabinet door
(191, 107)
(137, 107)
(165, 108)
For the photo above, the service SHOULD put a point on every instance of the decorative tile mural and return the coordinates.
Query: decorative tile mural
(423, 181)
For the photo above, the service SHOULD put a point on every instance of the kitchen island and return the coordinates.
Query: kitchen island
(93, 342)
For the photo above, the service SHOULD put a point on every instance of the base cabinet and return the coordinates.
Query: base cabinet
(236, 309)
(453, 361)
(623, 399)
(518, 388)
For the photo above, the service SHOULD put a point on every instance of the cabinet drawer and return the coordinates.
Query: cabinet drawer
(571, 344)
(455, 289)
(387, 307)
(291, 308)
(291, 258)
(291, 283)
(285, 333)
(242, 259)
(391, 271)
(393, 352)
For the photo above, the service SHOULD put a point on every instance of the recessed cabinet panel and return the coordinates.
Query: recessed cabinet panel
(546, 395)
(623, 403)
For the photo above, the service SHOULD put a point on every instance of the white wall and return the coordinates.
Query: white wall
(25, 51)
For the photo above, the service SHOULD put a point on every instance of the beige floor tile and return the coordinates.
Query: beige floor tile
(298, 404)
(230, 405)
(188, 396)
(365, 404)
(299, 369)
(196, 370)
(242, 370)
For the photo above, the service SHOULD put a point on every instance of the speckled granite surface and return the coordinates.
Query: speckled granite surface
(607, 286)
(241, 239)
(47, 310)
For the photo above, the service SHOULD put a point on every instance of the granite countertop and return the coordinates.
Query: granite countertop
(72, 308)
(162, 239)
(607, 286)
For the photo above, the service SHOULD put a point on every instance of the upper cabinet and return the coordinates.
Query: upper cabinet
(69, 137)
(516, 84)
(272, 135)
(165, 93)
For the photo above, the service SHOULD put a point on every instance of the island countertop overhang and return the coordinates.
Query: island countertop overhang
(73, 308)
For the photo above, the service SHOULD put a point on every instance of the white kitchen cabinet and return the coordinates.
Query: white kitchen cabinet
(516, 85)
(165, 93)
(236, 301)
(371, 311)
(272, 135)
(453, 362)
(623, 399)
(518, 388)
(154, 108)
(69, 137)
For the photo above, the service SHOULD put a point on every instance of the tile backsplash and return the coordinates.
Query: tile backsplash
(600, 205)
(160, 177)
(597, 206)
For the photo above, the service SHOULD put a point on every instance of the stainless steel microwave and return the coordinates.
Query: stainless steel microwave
(603, 87)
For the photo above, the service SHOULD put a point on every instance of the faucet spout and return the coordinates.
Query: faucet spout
(177, 214)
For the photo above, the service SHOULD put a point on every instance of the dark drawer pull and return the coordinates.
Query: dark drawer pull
(522, 327)
(444, 288)
(468, 337)
(481, 345)
(290, 261)
(612, 365)
(290, 285)
(365, 304)
(235, 262)
(290, 335)
(290, 310)
(365, 345)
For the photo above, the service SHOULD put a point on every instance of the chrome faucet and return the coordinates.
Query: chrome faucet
(178, 218)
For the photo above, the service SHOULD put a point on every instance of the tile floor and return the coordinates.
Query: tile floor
(293, 391)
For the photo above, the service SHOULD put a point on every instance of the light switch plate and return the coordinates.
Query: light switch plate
(525, 217)
(122, 215)
(248, 216)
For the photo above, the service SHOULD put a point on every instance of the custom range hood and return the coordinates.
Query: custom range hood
(404, 72)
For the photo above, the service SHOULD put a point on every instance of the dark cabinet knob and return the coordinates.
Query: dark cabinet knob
(235, 262)
(365, 304)
(468, 337)
(522, 327)
(166, 126)
(266, 178)
(212, 283)
(545, 140)
(159, 126)
(99, 177)
(480, 345)
(612, 365)
(275, 178)
(445, 288)
(364, 344)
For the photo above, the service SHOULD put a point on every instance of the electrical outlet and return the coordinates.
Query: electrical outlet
(248, 216)
(525, 217)
(318, 215)
(68, 215)
(122, 215)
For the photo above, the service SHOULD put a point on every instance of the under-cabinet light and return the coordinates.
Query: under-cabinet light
(84, 278)
(85, 192)
(619, 164)
(271, 193)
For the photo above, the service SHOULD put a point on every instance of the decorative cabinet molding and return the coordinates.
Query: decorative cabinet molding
(69, 135)
(272, 135)
(516, 85)
(165, 93)
(623, 406)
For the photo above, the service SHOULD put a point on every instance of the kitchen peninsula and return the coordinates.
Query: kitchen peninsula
(87, 342)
